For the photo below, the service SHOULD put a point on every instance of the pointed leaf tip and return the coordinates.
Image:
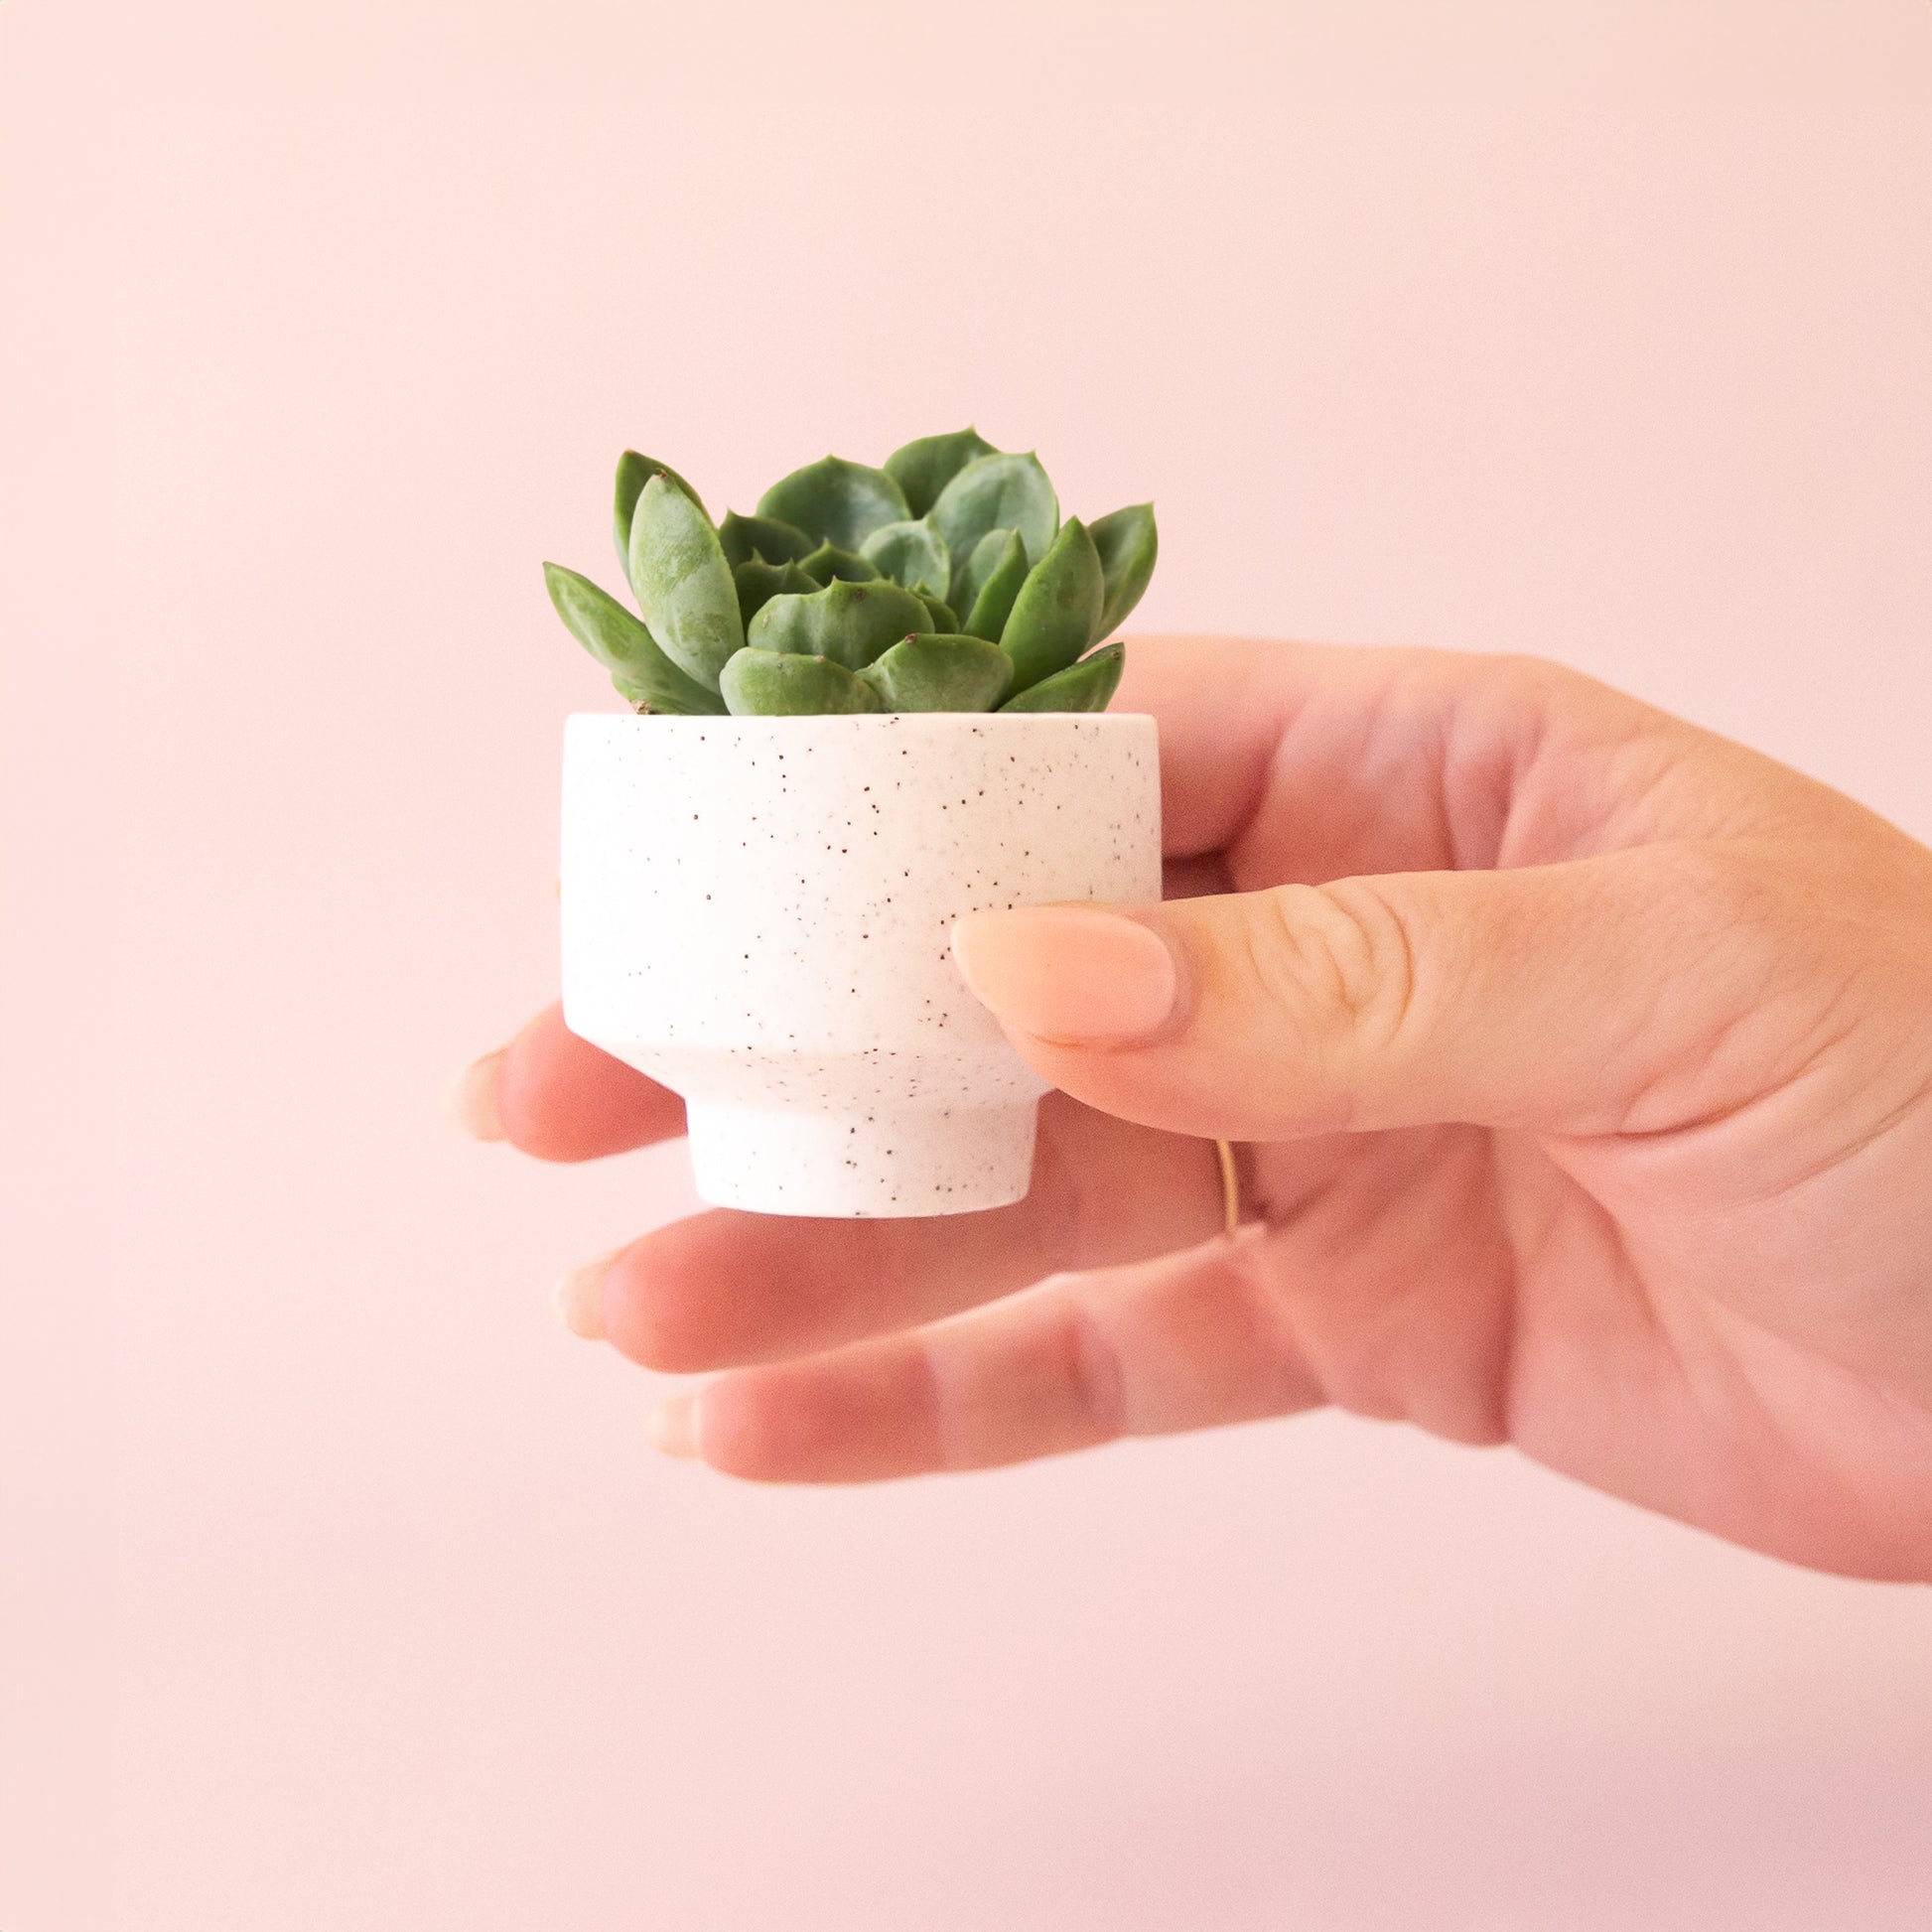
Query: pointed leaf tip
(769, 684)
(746, 537)
(1058, 608)
(911, 554)
(850, 623)
(683, 584)
(828, 564)
(835, 501)
(941, 673)
(639, 669)
(994, 574)
(1011, 493)
(926, 465)
(1128, 545)
(1088, 685)
(634, 473)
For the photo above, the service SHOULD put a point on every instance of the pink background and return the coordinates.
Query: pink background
(337, 1586)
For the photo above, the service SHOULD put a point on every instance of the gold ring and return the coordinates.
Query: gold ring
(1230, 1188)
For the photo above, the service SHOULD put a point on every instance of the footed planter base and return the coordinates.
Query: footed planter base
(758, 913)
(907, 1160)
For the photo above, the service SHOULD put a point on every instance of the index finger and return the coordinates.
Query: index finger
(1303, 764)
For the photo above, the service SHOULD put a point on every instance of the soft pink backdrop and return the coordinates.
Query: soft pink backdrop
(337, 1587)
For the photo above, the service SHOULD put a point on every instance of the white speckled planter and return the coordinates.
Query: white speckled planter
(758, 913)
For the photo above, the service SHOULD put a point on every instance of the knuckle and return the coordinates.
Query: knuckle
(654, 1337)
(1735, 912)
(1339, 959)
(1098, 1379)
(1520, 685)
(1518, 674)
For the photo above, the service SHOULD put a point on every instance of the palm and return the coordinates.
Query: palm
(1704, 1286)
(1639, 1310)
(1463, 1281)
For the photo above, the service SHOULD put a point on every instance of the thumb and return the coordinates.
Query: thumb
(1588, 997)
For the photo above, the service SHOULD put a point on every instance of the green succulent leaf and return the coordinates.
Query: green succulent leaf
(851, 623)
(641, 671)
(994, 574)
(926, 465)
(769, 684)
(634, 473)
(746, 537)
(937, 673)
(1057, 610)
(985, 558)
(836, 501)
(1128, 544)
(759, 583)
(996, 492)
(828, 564)
(910, 554)
(845, 591)
(1088, 685)
(683, 584)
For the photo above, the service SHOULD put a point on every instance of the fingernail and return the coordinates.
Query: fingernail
(1068, 973)
(471, 1099)
(579, 1297)
(673, 1428)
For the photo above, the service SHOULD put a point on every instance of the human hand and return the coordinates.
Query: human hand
(1580, 1065)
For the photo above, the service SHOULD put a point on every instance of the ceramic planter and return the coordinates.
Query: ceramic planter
(757, 912)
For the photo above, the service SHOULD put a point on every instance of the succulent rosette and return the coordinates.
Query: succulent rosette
(942, 581)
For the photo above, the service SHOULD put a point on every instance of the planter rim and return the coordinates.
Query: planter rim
(863, 720)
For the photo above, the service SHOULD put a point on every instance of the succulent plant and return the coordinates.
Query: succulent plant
(942, 581)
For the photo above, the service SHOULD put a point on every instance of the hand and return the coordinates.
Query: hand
(1582, 1067)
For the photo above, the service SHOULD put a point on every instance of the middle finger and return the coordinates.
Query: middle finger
(724, 1290)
